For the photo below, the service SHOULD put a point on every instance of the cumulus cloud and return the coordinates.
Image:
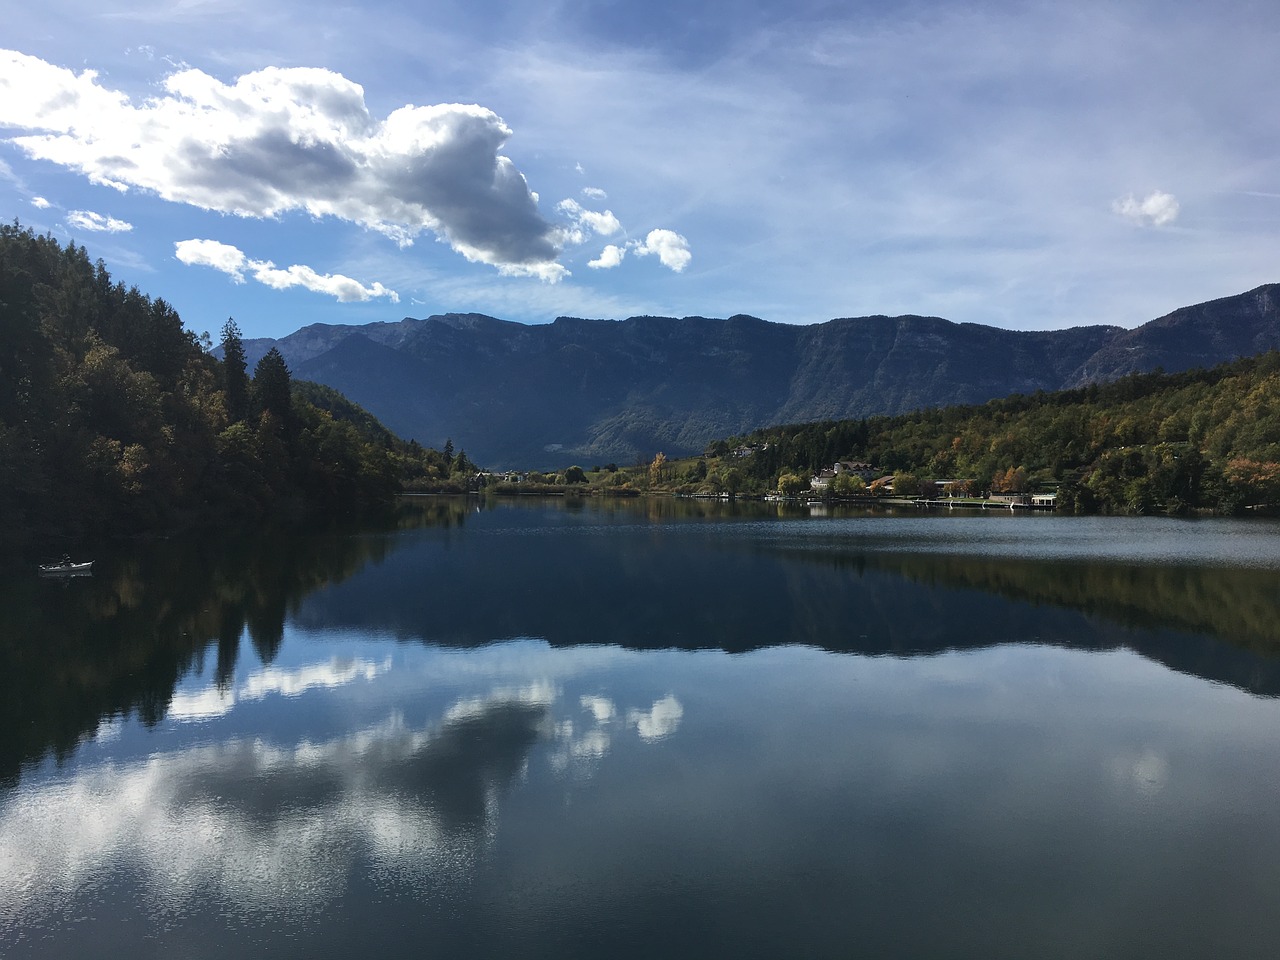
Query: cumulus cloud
(210, 253)
(594, 193)
(609, 258)
(1157, 209)
(582, 222)
(95, 222)
(671, 248)
(291, 139)
(40, 203)
(233, 262)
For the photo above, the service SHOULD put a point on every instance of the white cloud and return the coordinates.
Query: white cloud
(40, 203)
(671, 248)
(210, 253)
(233, 262)
(583, 220)
(1157, 209)
(609, 258)
(95, 222)
(344, 289)
(291, 139)
(594, 193)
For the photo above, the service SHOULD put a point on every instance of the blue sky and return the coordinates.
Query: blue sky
(1026, 165)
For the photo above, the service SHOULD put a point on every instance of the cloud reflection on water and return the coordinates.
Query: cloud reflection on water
(659, 721)
(213, 701)
(280, 827)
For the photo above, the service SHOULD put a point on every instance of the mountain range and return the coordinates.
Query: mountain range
(592, 391)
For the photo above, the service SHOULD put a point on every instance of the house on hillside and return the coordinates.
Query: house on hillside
(857, 468)
(822, 479)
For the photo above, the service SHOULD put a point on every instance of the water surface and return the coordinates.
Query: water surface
(651, 728)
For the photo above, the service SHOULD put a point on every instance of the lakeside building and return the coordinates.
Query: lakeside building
(857, 468)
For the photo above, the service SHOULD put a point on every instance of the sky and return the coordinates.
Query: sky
(1022, 164)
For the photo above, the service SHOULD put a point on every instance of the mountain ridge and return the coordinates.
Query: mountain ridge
(597, 390)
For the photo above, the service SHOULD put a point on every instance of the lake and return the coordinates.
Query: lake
(650, 728)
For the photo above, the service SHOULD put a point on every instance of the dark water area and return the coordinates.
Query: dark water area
(641, 728)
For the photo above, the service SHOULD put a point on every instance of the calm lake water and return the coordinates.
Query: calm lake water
(650, 729)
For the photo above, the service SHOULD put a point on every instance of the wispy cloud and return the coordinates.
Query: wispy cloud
(88, 220)
(823, 162)
(233, 262)
(1157, 209)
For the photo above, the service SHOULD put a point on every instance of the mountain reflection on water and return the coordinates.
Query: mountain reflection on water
(564, 729)
(708, 575)
(644, 574)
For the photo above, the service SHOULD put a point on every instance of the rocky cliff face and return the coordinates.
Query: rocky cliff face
(1197, 336)
(594, 390)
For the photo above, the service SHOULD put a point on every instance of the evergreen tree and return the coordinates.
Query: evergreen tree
(235, 381)
(271, 386)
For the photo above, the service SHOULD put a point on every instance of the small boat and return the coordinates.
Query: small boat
(66, 567)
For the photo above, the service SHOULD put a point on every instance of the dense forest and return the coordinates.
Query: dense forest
(115, 419)
(1197, 440)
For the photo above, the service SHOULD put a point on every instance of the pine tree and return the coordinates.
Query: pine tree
(272, 385)
(235, 381)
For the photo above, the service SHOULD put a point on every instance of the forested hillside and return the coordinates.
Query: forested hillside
(114, 419)
(1201, 439)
